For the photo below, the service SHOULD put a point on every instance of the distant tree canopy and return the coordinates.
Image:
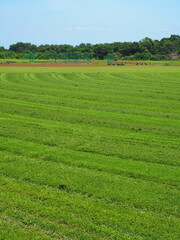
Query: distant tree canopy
(146, 49)
(21, 47)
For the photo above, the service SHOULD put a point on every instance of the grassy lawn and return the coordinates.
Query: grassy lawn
(92, 62)
(89, 153)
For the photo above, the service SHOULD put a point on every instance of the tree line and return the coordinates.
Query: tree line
(146, 49)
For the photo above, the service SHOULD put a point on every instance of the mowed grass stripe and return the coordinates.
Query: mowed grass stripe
(158, 125)
(70, 136)
(154, 93)
(138, 93)
(123, 135)
(90, 155)
(126, 167)
(13, 227)
(47, 203)
(97, 83)
(156, 111)
(92, 112)
(137, 104)
(105, 186)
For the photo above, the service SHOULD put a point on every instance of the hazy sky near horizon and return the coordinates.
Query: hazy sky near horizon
(86, 21)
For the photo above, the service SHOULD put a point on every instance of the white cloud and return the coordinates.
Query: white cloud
(56, 5)
(164, 29)
(79, 28)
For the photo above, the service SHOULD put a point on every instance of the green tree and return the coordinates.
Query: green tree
(21, 47)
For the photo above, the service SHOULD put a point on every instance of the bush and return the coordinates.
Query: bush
(143, 56)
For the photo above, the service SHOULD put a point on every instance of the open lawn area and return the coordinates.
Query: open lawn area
(90, 153)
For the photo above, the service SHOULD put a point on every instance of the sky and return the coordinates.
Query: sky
(86, 21)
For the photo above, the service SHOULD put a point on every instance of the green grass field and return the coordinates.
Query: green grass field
(92, 62)
(89, 153)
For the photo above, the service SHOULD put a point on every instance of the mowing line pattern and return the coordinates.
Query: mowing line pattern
(89, 155)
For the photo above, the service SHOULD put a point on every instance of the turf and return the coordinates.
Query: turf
(89, 153)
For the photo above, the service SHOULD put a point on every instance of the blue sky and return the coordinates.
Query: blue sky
(87, 21)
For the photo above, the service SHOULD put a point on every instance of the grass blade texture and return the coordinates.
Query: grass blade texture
(89, 153)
